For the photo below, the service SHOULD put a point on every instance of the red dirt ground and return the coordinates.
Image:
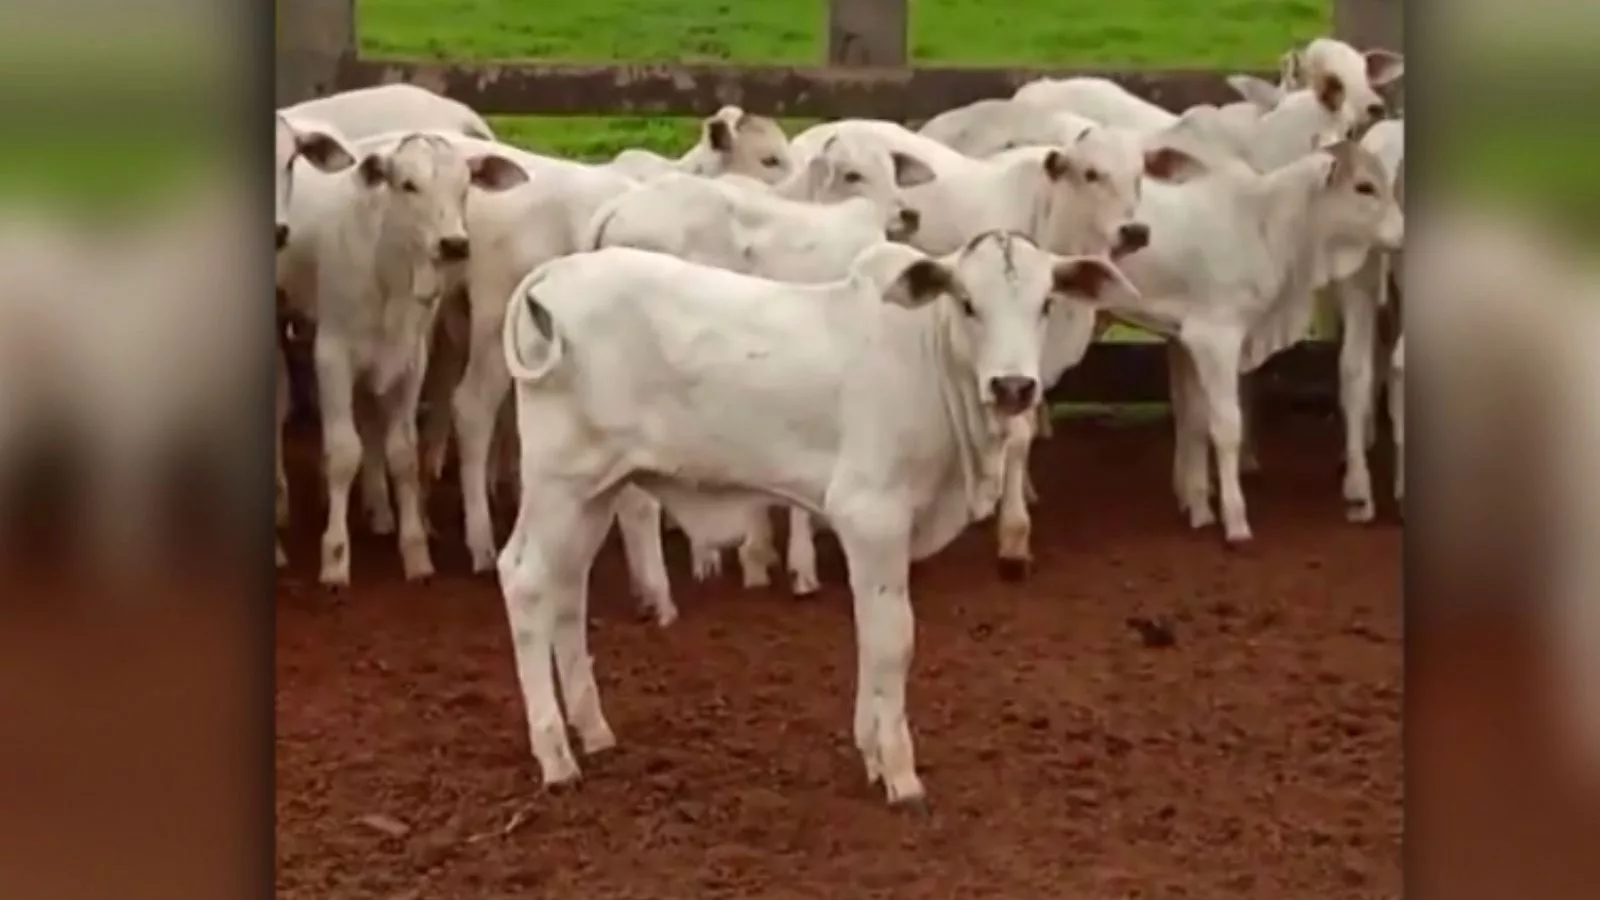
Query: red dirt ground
(1258, 756)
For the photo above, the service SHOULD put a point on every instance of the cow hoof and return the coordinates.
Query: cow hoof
(805, 584)
(913, 807)
(1359, 511)
(1014, 570)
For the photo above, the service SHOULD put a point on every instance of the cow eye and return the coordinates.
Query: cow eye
(771, 162)
(1045, 310)
(1091, 175)
(1367, 188)
(967, 309)
(408, 186)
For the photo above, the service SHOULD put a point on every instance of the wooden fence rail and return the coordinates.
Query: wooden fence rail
(868, 74)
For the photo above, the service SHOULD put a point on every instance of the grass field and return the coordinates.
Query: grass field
(1220, 33)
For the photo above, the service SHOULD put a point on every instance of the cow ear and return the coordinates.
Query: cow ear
(1057, 165)
(909, 171)
(374, 169)
(920, 283)
(493, 172)
(1263, 95)
(720, 126)
(1330, 91)
(1172, 165)
(324, 151)
(1384, 66)
(1090, 278)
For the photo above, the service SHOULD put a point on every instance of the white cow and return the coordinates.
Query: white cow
(1229, 276)
(324, 148)
(1100, 99)
(369, 111)
(517, 231)
(1075, 198)
(850, 202)
(867, 400)
(991, 126)
(384, 239)
(1359, 73)
(731, 140)
(1360, 298)
(1080, 197)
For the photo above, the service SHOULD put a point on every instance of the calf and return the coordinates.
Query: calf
(384, 237)
(870, 400)
(1100, 99)
(731, 140)
(987, 127)
(1080, 197)
(851, 184)
(1229, 276)
(1361, 74)
(321, 146)
(1361, 298)
(516, 231)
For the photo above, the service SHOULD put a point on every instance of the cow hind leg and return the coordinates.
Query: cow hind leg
(543, 570)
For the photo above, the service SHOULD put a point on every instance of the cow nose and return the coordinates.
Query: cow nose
(283, 235)
(453, 248)
(1376, 111)
(1133, 236)
(1013, 393)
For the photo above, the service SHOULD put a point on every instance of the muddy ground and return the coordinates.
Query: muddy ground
(1259, 755)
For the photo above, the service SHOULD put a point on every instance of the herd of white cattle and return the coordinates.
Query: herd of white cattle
(858, 323)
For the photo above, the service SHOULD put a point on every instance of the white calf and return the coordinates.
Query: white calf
(852, 182)
(1360, 298)
(384, 237)
(992, 126)
(1080, 197)
(866, 400)
(365, 112)
(1100, 99)
(1360, 74)
(323, 147)
(516, 231)
(731, 140)
(1229, 275)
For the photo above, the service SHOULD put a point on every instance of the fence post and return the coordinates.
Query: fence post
(1369, 24)
(313, 36)
(867, 33)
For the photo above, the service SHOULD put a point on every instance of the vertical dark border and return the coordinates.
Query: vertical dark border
(255, 43)
(1413, 106)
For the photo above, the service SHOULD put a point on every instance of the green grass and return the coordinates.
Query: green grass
(1156, 33)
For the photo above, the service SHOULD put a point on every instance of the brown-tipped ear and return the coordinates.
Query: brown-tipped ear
(1088, 278)
(921, 283)
(493, 172)
(374, 170)
(1330, 91)
(1172, 165)
(1384, 66)
(719, 134)
(1056, 165)
(1263, 95)
(909, 171)
(323, 150)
